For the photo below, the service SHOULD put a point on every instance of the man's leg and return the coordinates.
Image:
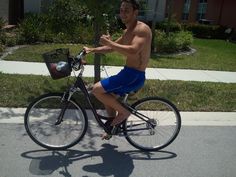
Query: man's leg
(110, 111)
(110, 101)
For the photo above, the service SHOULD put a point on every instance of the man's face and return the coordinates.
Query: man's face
(127, 12)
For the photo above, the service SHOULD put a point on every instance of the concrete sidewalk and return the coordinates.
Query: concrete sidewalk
(14, 67)
(16, 115)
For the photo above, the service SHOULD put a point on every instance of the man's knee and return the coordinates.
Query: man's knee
(98, 89)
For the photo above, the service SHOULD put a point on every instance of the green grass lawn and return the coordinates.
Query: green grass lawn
(211, 55)
(20, 90)
(33, 53)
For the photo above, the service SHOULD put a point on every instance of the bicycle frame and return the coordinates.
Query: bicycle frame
(78, 64)
(43, 120)
(81, 85)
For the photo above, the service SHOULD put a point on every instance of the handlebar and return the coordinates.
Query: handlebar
(79, 61)
(81, 54)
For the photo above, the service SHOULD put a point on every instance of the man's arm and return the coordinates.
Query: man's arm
(103, 49)
(135, 47)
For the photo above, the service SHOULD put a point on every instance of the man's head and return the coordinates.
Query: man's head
(134, 3)
(128, 10)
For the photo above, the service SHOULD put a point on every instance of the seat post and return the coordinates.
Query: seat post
(125, 98)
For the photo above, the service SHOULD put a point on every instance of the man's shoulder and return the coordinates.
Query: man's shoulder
(142, 24)
(142, 28)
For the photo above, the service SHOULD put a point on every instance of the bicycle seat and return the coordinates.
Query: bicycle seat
(132, 93)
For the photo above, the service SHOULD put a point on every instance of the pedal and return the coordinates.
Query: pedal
(115, 130)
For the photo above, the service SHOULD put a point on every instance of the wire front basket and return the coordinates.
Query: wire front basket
(58, 63)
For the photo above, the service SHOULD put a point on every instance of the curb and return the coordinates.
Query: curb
(16, 116)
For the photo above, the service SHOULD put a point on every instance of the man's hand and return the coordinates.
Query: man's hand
(105, 40)
(88, 50)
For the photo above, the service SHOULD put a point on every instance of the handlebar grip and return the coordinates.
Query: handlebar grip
(84, 52)
(81, 54)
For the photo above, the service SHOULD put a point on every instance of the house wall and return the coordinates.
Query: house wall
(193, 11)
(213, 10)
(4, 9)
(160, 12)
(177, 9)
(220, 12)
(228, 14)
(32, 6)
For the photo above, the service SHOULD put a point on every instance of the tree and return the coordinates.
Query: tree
(154, 23)
(169, 8)
(97, 9)
(63, 14)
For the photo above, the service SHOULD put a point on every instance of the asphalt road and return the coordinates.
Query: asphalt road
(198, 151)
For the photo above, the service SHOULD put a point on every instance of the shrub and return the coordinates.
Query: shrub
(175, 42)
(2, 23)
(116, 35)
(64, 21)
(83, 34)
(30, 28)
(206, 31)
(185, 38)
(61, 23)
(2, 37)
(2, 34)
(174, 25)
(1, 48)
(47, 35)
(11, 41)
(62, 38)
(64, 15)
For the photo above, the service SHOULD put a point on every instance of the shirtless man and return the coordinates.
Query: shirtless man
(135, 44)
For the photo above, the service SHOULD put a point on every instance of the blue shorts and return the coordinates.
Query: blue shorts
(127, 80)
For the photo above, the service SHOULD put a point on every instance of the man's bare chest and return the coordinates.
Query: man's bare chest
(128, 38)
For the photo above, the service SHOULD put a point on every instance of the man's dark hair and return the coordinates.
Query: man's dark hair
(134, 3)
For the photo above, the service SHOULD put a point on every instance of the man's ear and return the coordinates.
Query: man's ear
(136, 12)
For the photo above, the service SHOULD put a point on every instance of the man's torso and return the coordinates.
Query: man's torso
(140, 60)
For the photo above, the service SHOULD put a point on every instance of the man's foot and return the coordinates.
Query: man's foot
(119, 119)
(106, 136)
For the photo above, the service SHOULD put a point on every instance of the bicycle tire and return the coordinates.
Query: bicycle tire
(161, 112)
(40, 118)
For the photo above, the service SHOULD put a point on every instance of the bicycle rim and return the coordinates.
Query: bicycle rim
(165, 117)
(40, 119)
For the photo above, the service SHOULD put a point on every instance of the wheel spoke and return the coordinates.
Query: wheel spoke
(161, 129)
(40, 119)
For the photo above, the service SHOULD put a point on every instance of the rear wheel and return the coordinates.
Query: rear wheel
(41, 122)
(161, 125)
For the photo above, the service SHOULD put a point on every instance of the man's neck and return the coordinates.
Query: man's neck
(131, 25)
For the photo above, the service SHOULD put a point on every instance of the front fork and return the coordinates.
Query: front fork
(64, 104)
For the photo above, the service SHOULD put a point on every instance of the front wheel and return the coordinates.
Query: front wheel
(42, 125)
(154, 125)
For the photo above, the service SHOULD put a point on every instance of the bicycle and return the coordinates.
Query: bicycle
(56, 121)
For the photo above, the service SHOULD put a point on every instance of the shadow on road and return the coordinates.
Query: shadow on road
(118, 164)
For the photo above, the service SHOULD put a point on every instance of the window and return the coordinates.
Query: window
(202, 7)
(186, 8)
